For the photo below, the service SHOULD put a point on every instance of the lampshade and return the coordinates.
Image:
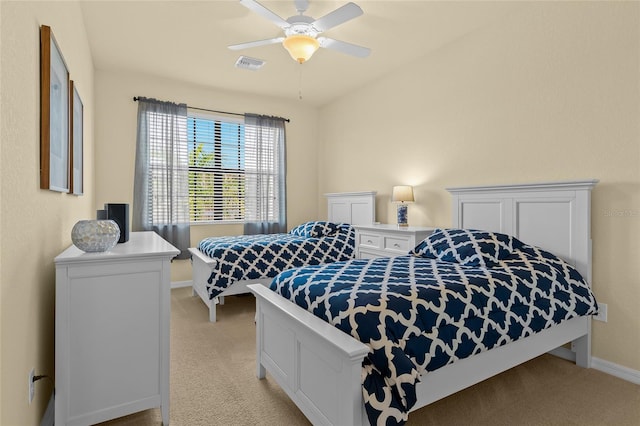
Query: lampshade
(402, 193)
(301, 47)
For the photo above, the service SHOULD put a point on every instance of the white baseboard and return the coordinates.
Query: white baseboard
(608, 367)
(622, 372)
(180, 284)
(49, 415)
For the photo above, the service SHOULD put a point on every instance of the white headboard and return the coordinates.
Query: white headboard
(555, 216)
(356, 208)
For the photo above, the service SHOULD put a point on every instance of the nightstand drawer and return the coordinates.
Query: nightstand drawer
(396, 243)
(369, 240)
(380, 240)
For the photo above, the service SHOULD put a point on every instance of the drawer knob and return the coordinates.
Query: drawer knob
(396, 245)
(370, 242)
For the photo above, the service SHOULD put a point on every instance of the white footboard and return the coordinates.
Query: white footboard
(316, 364)
(202, 266)
(319, 366)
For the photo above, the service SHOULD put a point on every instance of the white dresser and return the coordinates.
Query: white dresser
(112, 331)
(382, 240)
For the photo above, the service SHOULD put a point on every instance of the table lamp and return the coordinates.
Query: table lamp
(402, 194)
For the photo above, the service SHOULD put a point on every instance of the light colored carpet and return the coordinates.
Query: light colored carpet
(213, 382)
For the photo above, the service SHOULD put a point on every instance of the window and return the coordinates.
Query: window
(216, 169)
(234, 170)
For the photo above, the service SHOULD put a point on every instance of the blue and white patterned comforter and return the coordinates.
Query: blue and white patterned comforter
(250, 257)
(418, 313)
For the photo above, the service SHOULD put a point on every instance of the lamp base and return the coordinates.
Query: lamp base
(402, 215)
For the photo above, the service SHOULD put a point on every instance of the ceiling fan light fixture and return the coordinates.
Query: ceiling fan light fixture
(301, 47)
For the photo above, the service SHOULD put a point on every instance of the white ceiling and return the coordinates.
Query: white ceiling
(187, 41)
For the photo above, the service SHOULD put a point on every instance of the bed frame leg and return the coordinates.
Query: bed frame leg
(582, 348)
(164, 410)
(212, 312)
(194, 293)
(261, 372)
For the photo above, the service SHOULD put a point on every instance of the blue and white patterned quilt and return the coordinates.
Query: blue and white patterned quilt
(250, 257)
(420, 312)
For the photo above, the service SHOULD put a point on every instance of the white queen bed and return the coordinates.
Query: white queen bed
(320, 367)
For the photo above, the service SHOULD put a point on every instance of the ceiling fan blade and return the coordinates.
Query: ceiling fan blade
(344, 47)
(302, 6)
(264, 12)
(337, 17)
(256, 43)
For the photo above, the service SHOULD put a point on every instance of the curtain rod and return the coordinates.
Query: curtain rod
(135, 98)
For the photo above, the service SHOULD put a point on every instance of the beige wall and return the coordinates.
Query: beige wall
(551, 93)
(116, 142)
(35, 224)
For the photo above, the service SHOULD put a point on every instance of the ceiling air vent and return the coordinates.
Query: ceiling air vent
(249, 63)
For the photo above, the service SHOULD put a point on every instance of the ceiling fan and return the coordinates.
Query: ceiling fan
(301, 32)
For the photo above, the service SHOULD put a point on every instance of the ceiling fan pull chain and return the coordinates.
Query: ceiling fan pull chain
(300, 83)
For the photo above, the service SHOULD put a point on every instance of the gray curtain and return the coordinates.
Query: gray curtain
(265, 175)
(161, 182)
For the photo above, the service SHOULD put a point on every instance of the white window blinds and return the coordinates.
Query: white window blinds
(216, 169)
(233, 170)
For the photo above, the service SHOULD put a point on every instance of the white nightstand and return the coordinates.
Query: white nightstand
(383, 240)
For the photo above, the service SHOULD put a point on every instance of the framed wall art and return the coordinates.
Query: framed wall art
(54, 115)
(76, 184)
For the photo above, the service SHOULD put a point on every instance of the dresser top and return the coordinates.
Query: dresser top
(392, 227)
(140, 244)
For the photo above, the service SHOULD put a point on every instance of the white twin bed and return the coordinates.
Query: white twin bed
(320, 367)
(355, 208)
